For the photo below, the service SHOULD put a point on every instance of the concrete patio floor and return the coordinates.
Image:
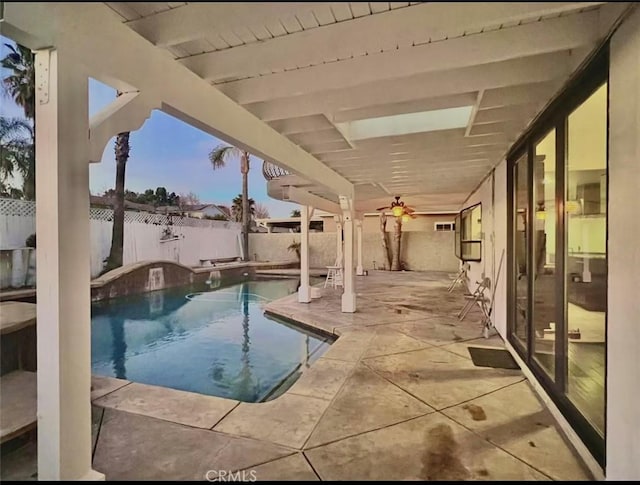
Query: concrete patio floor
(395, 397)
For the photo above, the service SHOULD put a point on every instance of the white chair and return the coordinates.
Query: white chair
(334, 275)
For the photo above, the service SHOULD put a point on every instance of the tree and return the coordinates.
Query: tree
(17, 154)
(10, 192)
(218, 158)
(261, 211)
(189, 199)
(161, 196)
(397, 245)
(156, 198)
(237, 208)
(122, 149)
(20, 84)
(385, 245)
(295, 213)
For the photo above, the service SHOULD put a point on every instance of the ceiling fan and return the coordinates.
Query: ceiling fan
(399, 209)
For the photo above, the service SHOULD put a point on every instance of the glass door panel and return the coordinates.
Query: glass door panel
(521, 210)
(586, 256)
(544, 240)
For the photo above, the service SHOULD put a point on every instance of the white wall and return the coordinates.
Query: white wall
(623, 320)
(142, 242)
(422, 251)
(494, 242)
(197, 238)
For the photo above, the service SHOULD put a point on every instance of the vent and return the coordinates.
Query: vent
(444, 226)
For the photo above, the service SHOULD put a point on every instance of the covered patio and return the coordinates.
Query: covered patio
(395, 398)
(357, 103)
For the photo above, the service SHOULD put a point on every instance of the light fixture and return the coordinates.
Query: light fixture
(398, 208)
(541, 215)
(405, 218)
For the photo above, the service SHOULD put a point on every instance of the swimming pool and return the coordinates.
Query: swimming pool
(210, 341)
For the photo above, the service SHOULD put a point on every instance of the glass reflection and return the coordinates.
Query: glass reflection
(544, 285)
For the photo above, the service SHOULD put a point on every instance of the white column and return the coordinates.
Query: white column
(63, 275)
(304, 292)
(339, 251)
(359, 270)
(349, 294)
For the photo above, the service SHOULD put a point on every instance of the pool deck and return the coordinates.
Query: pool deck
(396, 397)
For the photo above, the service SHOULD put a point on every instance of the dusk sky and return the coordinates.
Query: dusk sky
(166, 152)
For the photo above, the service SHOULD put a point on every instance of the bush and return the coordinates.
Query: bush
(31, 241)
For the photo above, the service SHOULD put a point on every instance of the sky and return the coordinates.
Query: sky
(166, 152)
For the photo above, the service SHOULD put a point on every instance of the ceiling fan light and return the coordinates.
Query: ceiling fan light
(397, 211)
(405, 217)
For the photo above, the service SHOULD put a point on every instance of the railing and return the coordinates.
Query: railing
(272, 171)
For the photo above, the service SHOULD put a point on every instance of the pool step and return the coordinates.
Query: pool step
(19, 404)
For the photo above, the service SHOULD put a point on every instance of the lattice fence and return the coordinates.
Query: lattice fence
(27, 208)
(14, 207)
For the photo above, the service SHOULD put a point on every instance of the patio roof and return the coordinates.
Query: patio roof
(285, 80)
(310, 69)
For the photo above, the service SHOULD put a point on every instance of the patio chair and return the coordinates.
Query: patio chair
(459, 278)
(334, 275)
(477, 296)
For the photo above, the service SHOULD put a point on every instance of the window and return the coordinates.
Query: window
(468, 228)
(444, 226)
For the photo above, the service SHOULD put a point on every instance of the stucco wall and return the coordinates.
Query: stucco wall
(623, 326)
(422, 251)
(492, 194)
(422, 222)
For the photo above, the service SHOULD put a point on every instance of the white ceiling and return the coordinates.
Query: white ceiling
(303, 67)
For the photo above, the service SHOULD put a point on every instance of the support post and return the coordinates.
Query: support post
(339, 251)
(359, 269)
(63, 277)
(304, 292)
(349, 294)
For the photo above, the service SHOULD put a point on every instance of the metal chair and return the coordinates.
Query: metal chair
(459, 278)
(477, 296)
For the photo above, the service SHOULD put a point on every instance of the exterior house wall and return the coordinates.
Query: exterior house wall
(492, 194)
(623, 325)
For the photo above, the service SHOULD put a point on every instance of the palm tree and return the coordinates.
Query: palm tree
(122, 149)
(385, 245)
(237, 208)
(295, 213)
(218, 158)
(20, 84)
(17, 153)
(396, 264)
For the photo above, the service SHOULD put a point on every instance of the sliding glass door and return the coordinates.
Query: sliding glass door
(586, 255)
(558, 252)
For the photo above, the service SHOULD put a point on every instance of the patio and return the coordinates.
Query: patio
(396, 397)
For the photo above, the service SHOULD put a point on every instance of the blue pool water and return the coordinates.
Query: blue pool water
(216, 342)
